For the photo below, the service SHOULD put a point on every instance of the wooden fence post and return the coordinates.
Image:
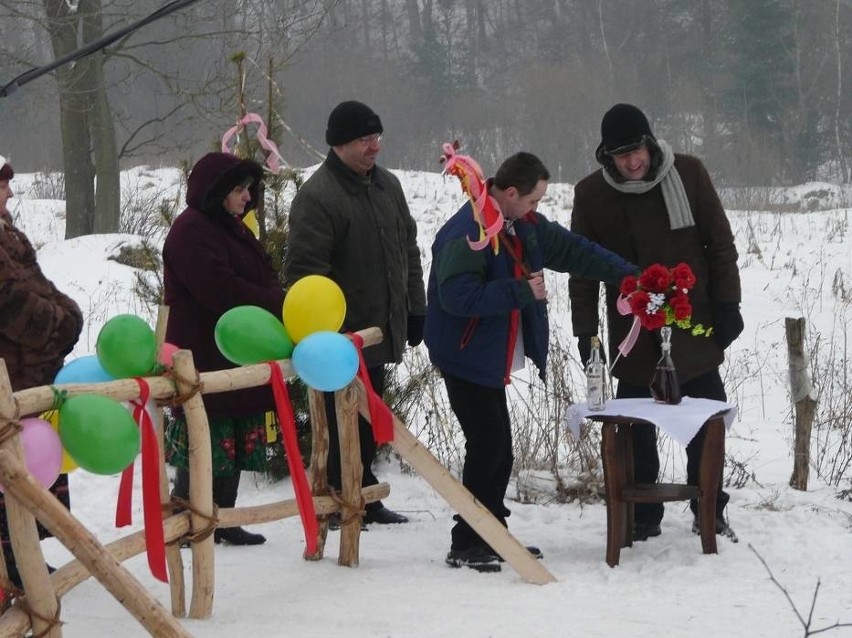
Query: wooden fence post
(805, 405)
(351, 473)
(319, 463)
(23, 533)
(177, 586)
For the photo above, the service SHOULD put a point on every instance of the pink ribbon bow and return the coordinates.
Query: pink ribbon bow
(274, 159)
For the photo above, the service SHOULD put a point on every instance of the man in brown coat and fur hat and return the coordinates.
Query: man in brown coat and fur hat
(651, 205)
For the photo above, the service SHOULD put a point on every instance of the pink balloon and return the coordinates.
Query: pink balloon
(42, 450)
(167, 350)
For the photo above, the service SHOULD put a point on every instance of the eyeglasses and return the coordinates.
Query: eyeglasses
(367, 140)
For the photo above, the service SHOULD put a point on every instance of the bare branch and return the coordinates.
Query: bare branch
(805, 624)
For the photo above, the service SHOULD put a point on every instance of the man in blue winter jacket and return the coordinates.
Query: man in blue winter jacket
(486, 312)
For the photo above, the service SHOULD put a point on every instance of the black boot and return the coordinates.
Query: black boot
(380, 515)
(225, 495)
(237, 536)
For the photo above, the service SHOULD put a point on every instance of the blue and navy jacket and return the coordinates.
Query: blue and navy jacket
(472, 294)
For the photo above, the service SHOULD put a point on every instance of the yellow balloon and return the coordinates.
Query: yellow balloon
(68, 464)
(312, 304)
(250, 220)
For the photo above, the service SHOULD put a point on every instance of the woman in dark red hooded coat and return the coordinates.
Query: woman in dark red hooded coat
(211, 263)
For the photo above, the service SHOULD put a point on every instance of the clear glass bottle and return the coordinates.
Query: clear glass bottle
(595, 378)
(665, 387)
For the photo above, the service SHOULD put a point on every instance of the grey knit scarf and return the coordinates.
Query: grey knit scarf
(674, 194)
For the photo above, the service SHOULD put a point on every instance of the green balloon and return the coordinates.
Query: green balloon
(127, 347)
(99, 433)
(249, 334)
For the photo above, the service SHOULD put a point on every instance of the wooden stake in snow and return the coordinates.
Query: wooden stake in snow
(805, 405)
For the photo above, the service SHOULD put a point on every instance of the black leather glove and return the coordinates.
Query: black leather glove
(415, 329)
(727, 323)
(584, 345)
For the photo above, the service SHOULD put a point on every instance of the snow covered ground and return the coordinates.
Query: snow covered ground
(791, 265)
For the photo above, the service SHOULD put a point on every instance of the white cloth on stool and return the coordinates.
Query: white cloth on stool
(681, 422)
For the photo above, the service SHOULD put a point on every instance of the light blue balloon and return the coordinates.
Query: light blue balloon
(325, 361)
(83, 370)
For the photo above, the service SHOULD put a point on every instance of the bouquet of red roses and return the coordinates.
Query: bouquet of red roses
(659, 296)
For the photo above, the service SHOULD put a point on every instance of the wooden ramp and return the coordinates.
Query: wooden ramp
(457, 495)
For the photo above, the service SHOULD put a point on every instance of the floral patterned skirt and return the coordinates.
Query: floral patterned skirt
(238, 443)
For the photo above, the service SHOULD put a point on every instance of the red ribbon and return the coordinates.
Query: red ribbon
(380, 414)
(151, 506)
(287, 423)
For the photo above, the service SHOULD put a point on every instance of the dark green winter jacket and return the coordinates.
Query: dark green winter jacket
(359, 232)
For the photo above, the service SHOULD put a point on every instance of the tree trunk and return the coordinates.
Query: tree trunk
(842, 167)
(709, 140)
(101, 129)
(415, 28)
(73, 109)
(805, 405)
(88, 135)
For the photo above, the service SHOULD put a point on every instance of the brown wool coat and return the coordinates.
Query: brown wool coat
(38, 324)
(636, 226)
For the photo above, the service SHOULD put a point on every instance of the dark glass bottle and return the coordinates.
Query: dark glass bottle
(665, 388)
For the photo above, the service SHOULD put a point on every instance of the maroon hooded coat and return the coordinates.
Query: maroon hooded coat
(212, 263)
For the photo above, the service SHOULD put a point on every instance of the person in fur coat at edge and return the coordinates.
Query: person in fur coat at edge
(486, 312)
(651, 205)
(39, 326)
(211, 263)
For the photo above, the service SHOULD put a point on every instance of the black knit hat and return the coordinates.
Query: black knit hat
(623, 128)
(350, 120)
(6, 172)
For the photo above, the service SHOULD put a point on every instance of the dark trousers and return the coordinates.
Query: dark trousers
(484, 418)
(365, 432)
(224, 487)
(646, 459)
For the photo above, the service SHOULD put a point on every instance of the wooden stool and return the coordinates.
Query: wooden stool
(622, 492)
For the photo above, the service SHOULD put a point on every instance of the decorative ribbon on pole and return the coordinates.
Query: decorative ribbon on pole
(151, 506)
(486, 210)
(274, 159)
(380, 414)
(287, 423)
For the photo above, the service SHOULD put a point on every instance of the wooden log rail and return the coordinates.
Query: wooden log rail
(26, 497)
(42, 597)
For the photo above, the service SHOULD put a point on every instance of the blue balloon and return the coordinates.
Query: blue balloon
(325, 361)
(83, 370)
